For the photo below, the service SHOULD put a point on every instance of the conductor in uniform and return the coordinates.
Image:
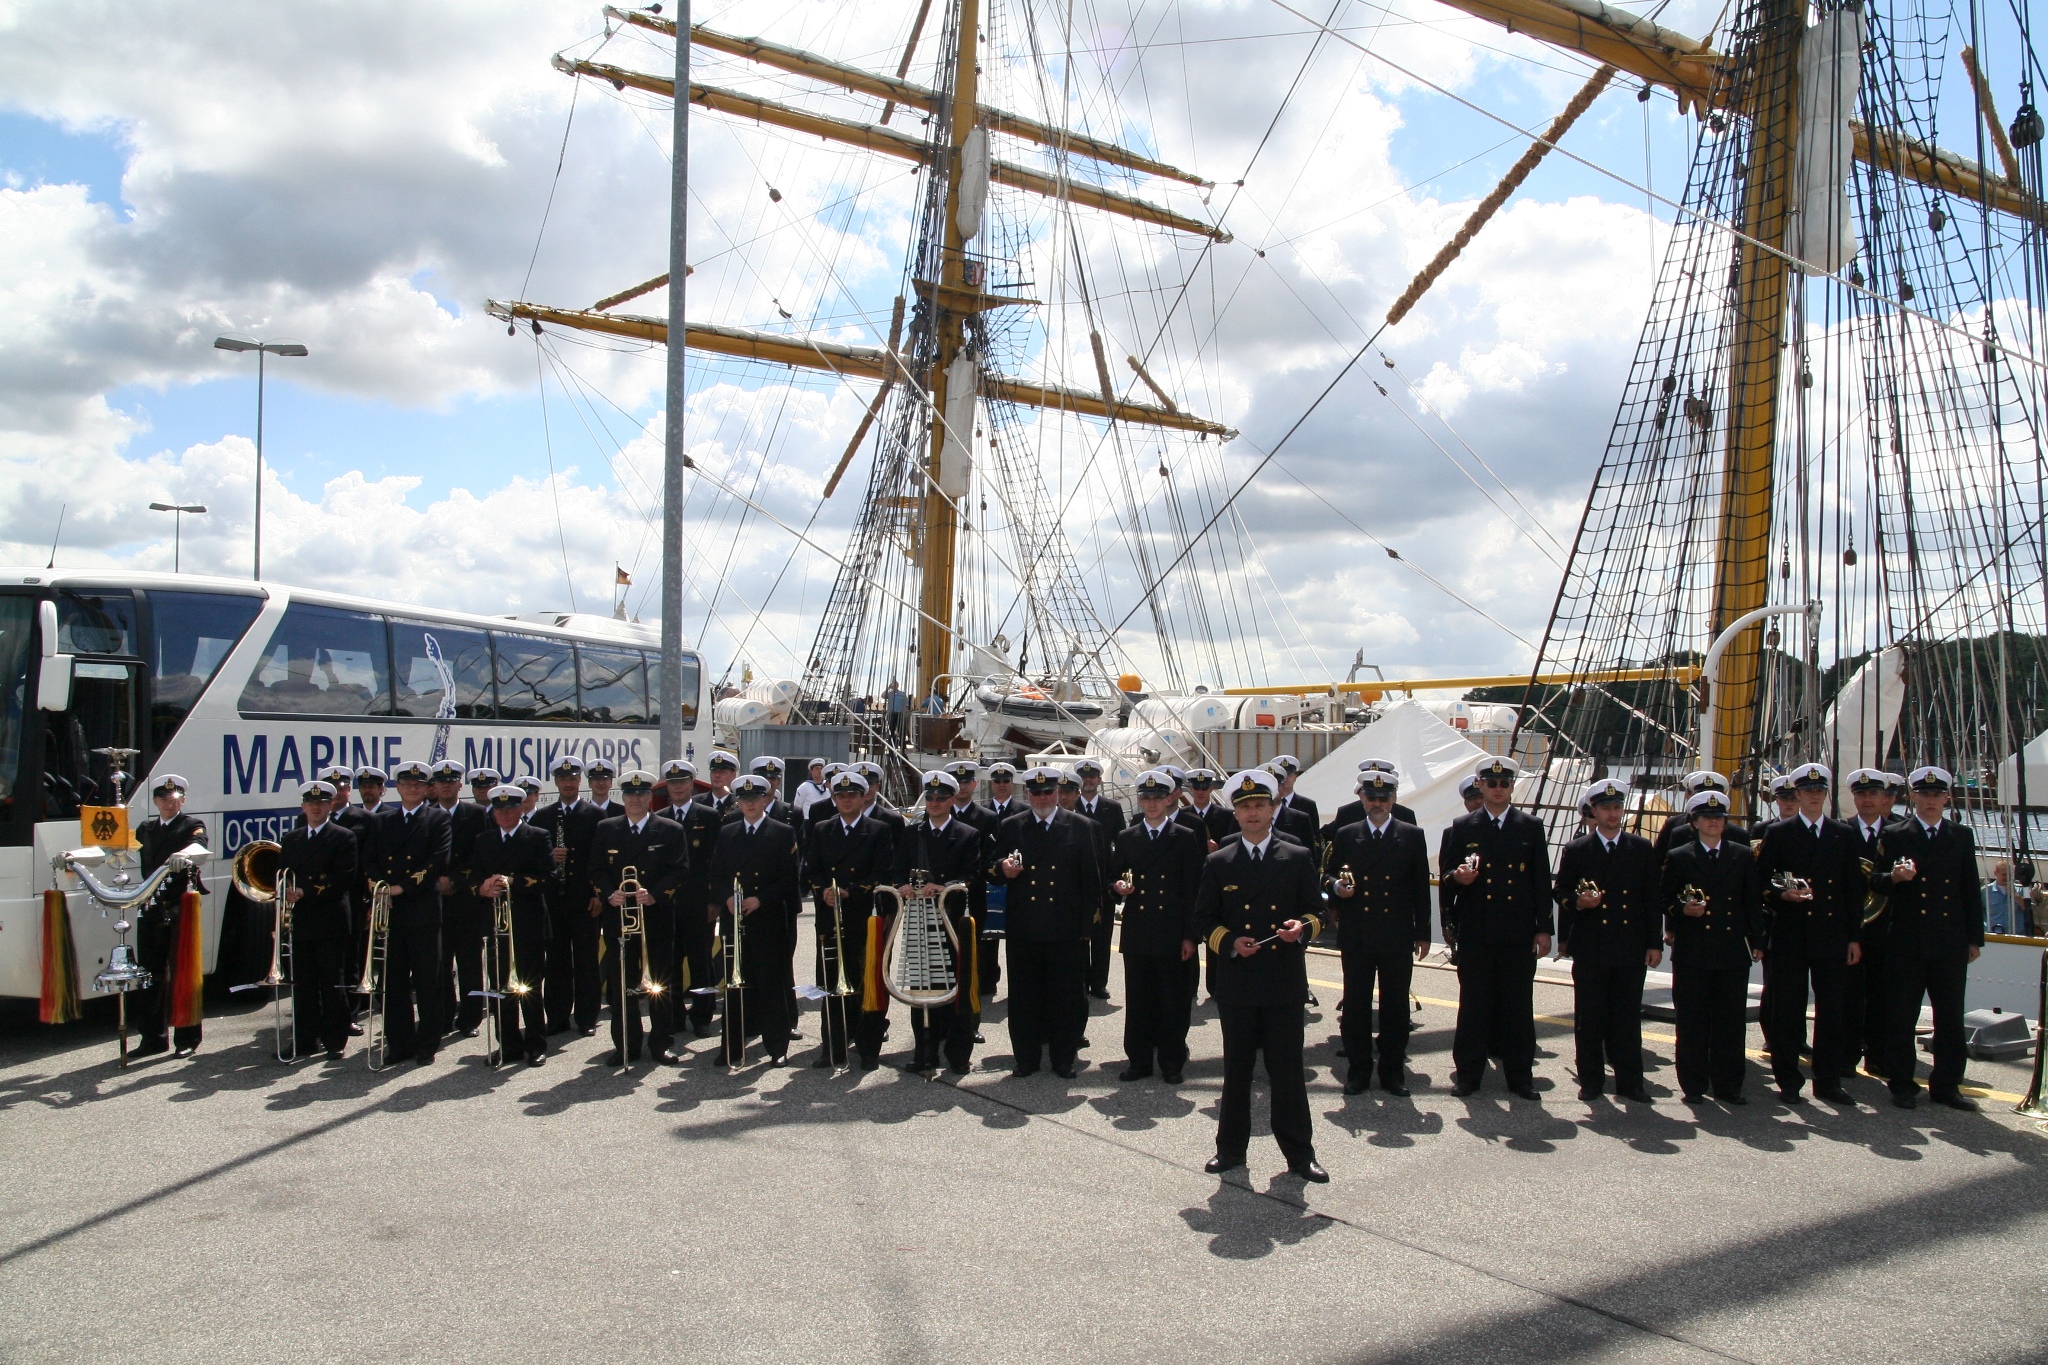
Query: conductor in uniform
(1257, 906)
(1927, 865)
(169, 831)
(761, 855)
(1495, 894)
(1047, 858)
(1863, 982)
(1159, 871)
(657, 852)
(1379, 893)
(1611, 923)
(320, 856)
(515, 858)
(1814, 886)
(409, 848)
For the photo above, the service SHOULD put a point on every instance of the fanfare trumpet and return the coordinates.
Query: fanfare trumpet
(1589, 887)
(1690, 896)
(1347, 879)
(1785, 882)
(256, 875)
(918, 956)
(375, 955)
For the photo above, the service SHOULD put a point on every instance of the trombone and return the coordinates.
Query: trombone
(732, 989)
(256, 875)
(833, 987)
(502, 982)
(375, 955)
(632, 924)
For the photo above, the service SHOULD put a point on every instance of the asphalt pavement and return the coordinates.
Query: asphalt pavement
(228, 1207)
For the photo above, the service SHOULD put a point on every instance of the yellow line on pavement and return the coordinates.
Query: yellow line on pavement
(1757, 1053)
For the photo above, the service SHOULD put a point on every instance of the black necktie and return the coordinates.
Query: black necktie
(1155, 836)
(1256, 854)
(1377, 831)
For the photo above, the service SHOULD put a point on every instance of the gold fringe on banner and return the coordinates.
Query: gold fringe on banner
(60, 962)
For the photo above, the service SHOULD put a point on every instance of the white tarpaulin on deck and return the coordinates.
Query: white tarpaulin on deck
(1430, 754)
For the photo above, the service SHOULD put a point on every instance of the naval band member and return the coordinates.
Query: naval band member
(409, 849)
(944, 848)
(1257, 906)
(1927, 866)
(1611, 923)
(169, 831)
(656, 852)
(762, 855)
(695, 975)
(845, 859)
(1380, 894)
(1159, 873)
(321, 858)
(515, 857)
(1047, 857)
(1713, 901)
(1495, 894)
(1814, 886)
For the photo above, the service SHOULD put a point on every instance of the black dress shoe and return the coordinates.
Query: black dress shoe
(186, 1050)
(703, 1030)
(1733, 1097)
(1310, 1171)
(1067, 1072)
(1791, 1096)
(333, 1054)
(822, 1061)
(1394, 1088)
(355, 1030)
(1312, 1002)
(1957, 1100)
(425, 1059)
(979, 1039)
(149, 1048)
(588, 1031)
(1022, 1071)
(1463, 1088)
(494, 1058)
(1693, 1099)
(1218, 1164)
(1356, 1085)
(1638, 1093)
(1589, 1093)
(778, 1061)
(869, 1063)
(664, 1057)
(1099, 992)
(1833, 1094)
(558, 1030)
(1171, 1077)
(1525, 1092)
(1906, 1099)
(1134, 1073)
(615, 1058)
(536, 1058)
(1338, 1051)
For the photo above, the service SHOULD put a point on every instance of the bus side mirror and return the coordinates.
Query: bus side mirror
(53, 683)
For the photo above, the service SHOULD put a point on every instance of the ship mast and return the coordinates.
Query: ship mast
(1768, 97)
(952, 427)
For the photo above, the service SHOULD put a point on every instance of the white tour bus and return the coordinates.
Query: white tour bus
(246, 690)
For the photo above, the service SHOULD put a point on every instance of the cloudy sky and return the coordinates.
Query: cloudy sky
(363, 176)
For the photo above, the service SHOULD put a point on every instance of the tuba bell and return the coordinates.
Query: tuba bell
(254, 873)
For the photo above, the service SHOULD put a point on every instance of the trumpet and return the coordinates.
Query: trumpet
(1588, 887)
(1785, 882)
(375, 955)
(1347, 880)
(256, 875)
(1690, 895)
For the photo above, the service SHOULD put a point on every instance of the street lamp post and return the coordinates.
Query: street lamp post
(178, 511)
(262, 349)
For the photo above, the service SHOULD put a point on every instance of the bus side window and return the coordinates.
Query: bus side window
(323, 661)
(421, 690)
(193, 633)
(536, 678)
(614, 685)
(693, 678)
(102, 715)
(94, 622)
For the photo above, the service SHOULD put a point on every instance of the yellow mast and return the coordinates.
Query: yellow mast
(1764, 287)
(951, 448)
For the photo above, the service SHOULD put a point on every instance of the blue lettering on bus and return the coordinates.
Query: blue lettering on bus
(319, 753)
(287, 765)
(245, 826)
(391, 759)
(237, 776)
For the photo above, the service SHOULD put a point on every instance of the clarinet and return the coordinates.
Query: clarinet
(561, 842)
